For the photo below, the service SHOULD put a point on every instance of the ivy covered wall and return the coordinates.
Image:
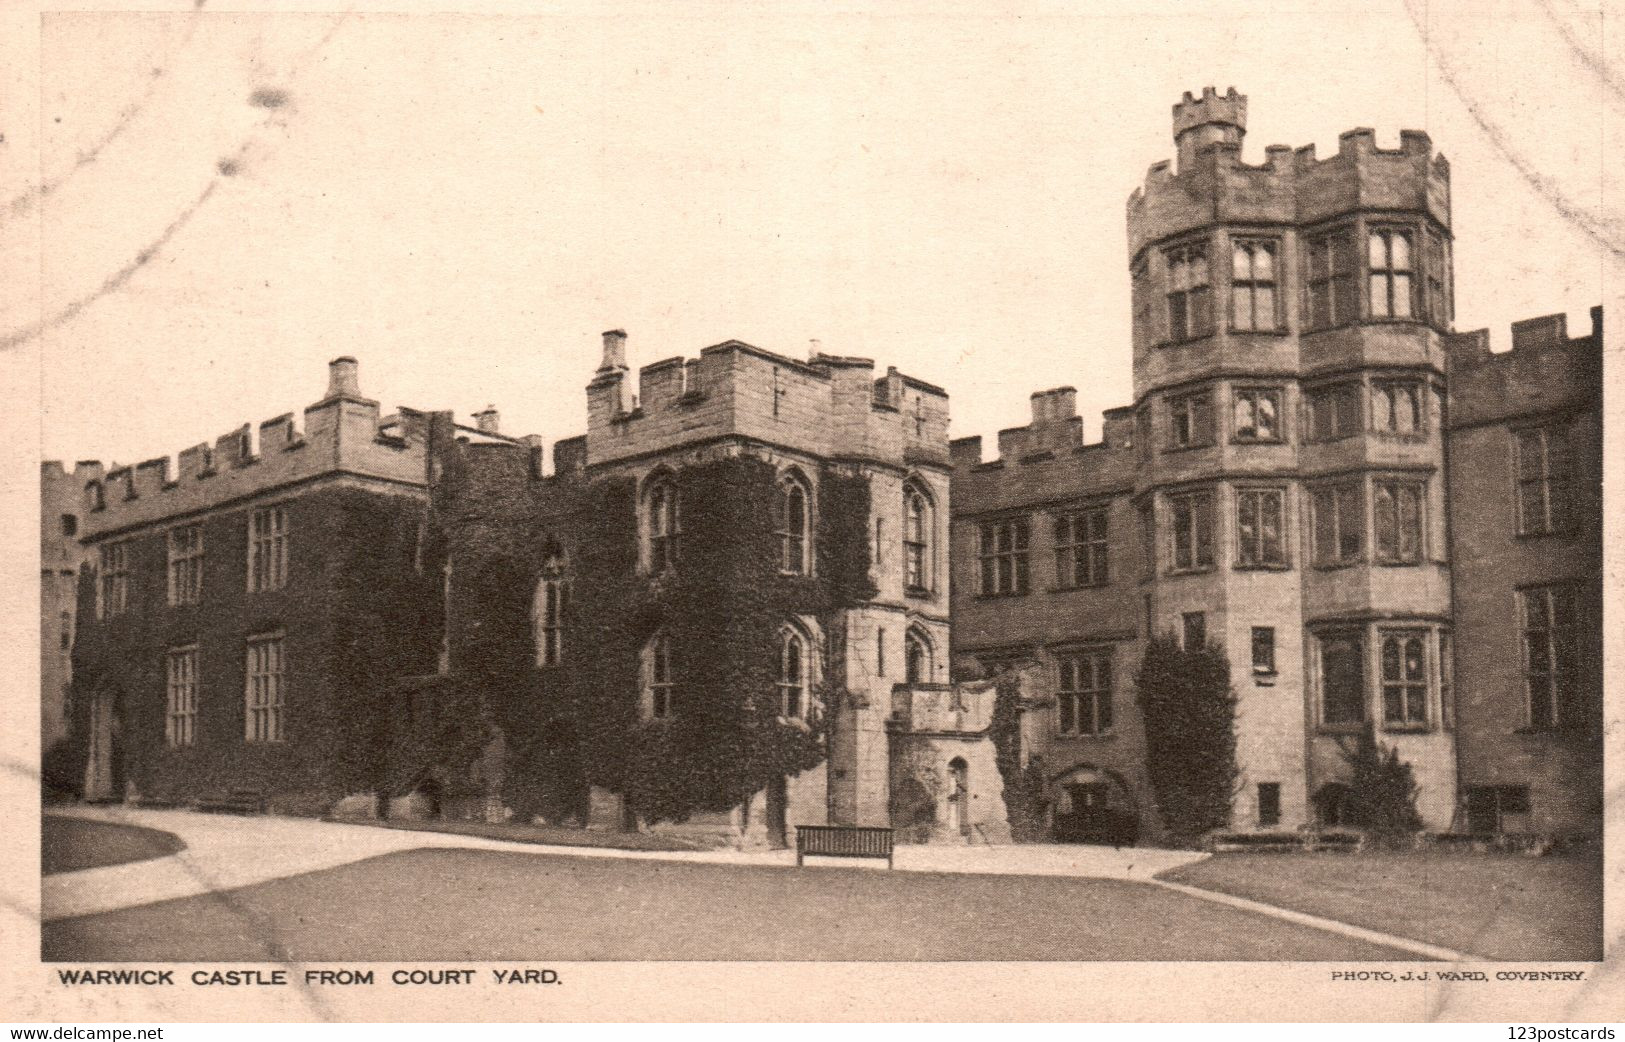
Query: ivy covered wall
(354, 614)
(579, 724)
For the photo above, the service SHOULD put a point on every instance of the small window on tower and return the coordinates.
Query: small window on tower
(1190, 420)
(1264, 650)
(1252, 285)
(1269, 804)
(1190, 309)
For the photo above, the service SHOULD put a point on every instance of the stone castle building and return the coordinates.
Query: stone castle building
(1313, 475)
(727, 604)
(61, 557)
(222, 639)
(297, 617)
(1524, 451)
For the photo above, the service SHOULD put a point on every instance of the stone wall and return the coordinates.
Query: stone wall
(350, 617)
(1546, 379)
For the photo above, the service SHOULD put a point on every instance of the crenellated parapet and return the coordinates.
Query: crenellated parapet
(1047, 458)
(1545, 370)
(1213, 185)
(341, 434)
(1056, 432)
(828, 405)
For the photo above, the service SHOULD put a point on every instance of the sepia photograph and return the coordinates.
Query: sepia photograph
(531, 493)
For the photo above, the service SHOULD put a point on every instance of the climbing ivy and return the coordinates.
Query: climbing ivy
(1024, 784)
(354, 615)
(581, 723)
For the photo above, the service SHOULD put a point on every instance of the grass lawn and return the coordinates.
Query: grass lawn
(1500, 906)
(477, 905)
(73, 844)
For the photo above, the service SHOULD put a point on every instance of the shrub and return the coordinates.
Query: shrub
(62, 771)
(1382, 789)
(1189, 713)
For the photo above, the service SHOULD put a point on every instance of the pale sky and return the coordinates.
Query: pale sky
(465, 202)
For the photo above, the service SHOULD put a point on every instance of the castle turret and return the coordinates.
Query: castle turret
(1199, 122)
(1289, 321)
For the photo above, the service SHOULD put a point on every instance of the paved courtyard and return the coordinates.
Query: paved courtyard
(224, 852)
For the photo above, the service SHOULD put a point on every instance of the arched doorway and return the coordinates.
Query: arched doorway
(1094, 805)
(958, 796)
(431, 793)
(917, 657)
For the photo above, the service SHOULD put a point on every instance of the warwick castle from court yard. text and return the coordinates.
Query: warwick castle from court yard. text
(764, 591)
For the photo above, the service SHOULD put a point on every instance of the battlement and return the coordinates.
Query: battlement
(342, 433)
(1229, 108)
(61, 498)
(828, 405)
(1212, 183)
(1544, 369)
(1056, 432)
(1530, 336)
(1212, 119)
(54, 472)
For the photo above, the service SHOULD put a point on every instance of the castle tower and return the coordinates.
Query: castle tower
(827, 426)
(1288, 324)
(1210, 119)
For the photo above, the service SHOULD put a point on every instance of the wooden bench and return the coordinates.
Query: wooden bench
(237, 801)
(843, 841)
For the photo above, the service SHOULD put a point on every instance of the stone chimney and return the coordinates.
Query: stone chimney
(1056, 425)
(609, 394)
(343, 378)
(614, 351)
(488, 420)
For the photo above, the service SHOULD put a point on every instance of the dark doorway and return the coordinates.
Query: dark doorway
(1335, 807)
(1483, 812)
(430, 790)
(778, 800)
(104, 766)
(1095, 809)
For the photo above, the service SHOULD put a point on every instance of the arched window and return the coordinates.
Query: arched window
(917, 527)
(662, 524)
(551, 602)
(792, 517)
(795, 673)
(95, 498)
(659, 683)
(917, 665)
